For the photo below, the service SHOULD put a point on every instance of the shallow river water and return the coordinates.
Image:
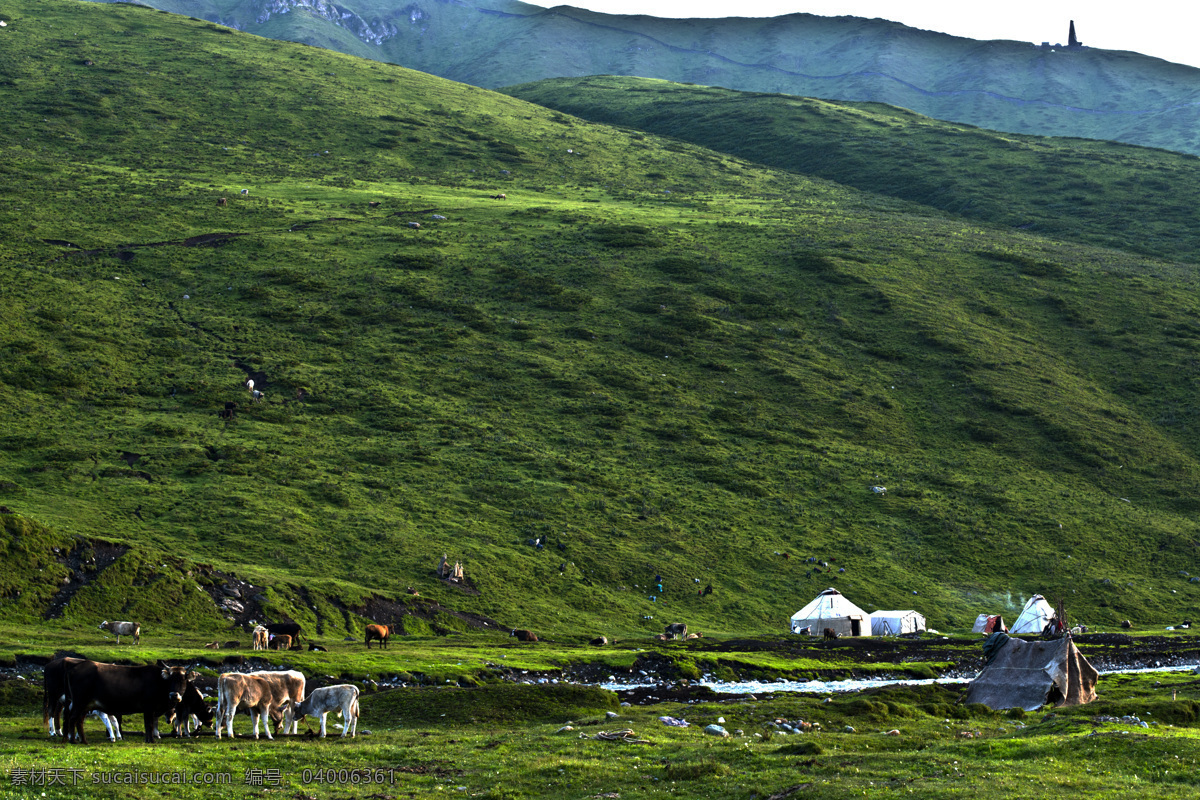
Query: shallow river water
(851, 685)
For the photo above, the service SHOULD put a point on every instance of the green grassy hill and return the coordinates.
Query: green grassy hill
(1104, 193)
(1003, 85)
(656, 358)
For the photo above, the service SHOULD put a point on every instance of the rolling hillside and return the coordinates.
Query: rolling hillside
(1131, 198)
(652, 357)
(1003, 85)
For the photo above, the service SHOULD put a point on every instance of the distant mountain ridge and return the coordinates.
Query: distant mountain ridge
(1002, 85)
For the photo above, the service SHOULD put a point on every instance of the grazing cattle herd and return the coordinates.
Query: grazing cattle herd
(75, 688)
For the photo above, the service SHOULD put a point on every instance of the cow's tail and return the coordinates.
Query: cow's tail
(218, 717)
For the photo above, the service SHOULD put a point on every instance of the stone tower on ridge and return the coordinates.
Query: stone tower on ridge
(1071, 40)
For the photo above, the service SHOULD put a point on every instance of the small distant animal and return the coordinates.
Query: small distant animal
(524, 635)
(281, 641)
(133, 629)
(261, 638)
(316, 648)
(829, 633)
(414, 224)
(599, 640)
(676, 630)
(213, 646)
(694, 636)
(290, 628)
(222, 202)
(501, 196)
(373, 204)
(245, 192)
(1126, 624)
(380, 632)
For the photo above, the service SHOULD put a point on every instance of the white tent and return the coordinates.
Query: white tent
(894, 623)
(831, 610)
(1034, 616)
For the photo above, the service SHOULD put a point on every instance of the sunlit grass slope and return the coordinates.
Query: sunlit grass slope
(1133, 198)
(657, 358)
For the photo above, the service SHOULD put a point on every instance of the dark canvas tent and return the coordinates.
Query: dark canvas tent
(1030, 674)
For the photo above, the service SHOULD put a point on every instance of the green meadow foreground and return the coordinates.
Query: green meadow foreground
(499, 739)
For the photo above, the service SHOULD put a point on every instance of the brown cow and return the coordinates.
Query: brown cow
(281, 641)
(524, 635)
(260, 692)
(829, 633)
(222, 202)
(380, 632)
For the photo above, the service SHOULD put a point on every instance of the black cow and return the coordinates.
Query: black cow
(54, 699)
(54, 693)
(116, 689)
(191, 709)
(292, 629)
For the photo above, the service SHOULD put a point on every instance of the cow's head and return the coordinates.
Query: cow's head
(178, 679)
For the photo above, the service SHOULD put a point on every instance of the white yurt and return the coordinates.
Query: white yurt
(894, 623)
(1034, 616)
(830, 609)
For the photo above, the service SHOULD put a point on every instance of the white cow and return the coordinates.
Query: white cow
(342, 699)
(133, 629)
(260, 638)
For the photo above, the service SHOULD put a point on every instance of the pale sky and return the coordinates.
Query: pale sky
(1166, 30)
